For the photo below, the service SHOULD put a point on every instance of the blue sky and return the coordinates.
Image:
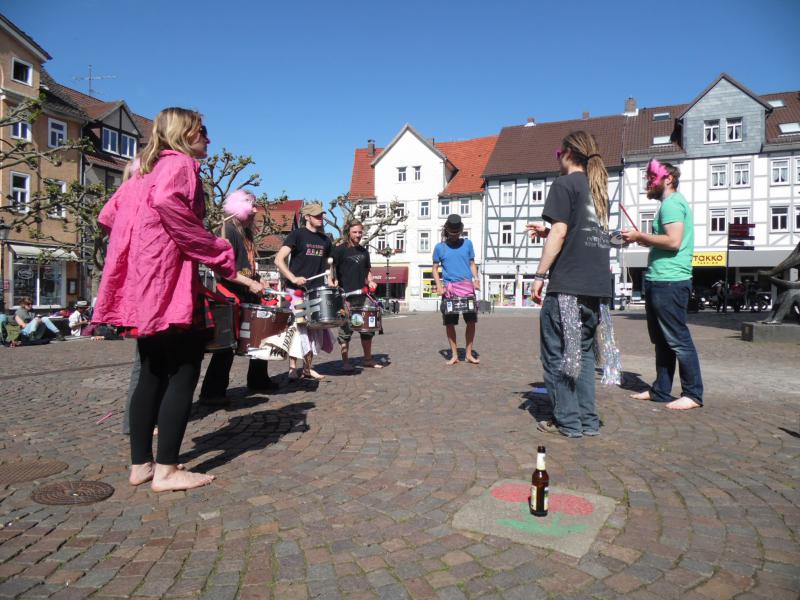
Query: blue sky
(298, 85)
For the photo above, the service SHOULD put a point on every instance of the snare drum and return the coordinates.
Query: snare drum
(365, 318)
(324, 308)
(259, 322)
(457, 305)
(224, 336)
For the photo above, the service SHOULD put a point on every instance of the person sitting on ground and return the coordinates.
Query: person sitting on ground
(31, 326)
(78, 319)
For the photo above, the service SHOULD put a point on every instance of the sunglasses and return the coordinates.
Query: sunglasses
(204, 131)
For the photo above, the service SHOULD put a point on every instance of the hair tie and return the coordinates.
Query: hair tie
(591, 156)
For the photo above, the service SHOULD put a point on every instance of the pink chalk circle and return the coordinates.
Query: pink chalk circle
(567, 504)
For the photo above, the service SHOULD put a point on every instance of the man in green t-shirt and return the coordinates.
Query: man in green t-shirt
(667, 287)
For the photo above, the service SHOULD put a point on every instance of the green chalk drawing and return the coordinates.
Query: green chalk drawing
(533, 524)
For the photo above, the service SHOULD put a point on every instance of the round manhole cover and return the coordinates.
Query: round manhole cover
(72, 492)
(28, 470)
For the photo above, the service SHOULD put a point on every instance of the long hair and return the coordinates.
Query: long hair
(347, 226)
(586, 153)
(172, 129)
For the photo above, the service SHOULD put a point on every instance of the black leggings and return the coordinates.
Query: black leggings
(170, 370)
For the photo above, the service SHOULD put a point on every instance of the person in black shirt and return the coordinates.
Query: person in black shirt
(239, 206)
(577, 256)
(352, 264)
(307, 249)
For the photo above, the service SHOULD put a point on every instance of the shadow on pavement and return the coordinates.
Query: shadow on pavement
(462, 353)
(790, 432)
(537, 403)
(244, 433)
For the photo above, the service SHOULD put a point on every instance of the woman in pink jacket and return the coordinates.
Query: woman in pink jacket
(150, 283)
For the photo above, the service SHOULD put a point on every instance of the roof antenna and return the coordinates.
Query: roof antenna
(92, 78)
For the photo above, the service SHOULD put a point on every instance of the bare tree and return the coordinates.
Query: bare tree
(378, 219)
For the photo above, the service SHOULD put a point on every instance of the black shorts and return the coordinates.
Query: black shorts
(452, 319)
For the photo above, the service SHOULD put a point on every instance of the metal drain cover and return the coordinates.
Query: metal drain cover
(28, 470)
(72, 492)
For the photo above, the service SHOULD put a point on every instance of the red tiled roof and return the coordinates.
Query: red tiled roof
(641, 129)
(284, 214)
(470, 158)
(362, 182)
(107, 161)
(521, 149)
(790, 113)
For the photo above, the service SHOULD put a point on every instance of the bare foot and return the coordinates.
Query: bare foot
(141, 473)
(312, 374)
(683, 403)
(645, 395)
(171, 478)
(453, 360)
(473, 359)
(371, 364)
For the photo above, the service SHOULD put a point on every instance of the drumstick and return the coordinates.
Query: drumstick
(629, 217)
(317, 276)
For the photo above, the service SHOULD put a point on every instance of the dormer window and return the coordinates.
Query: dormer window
(127, 146)
(789, 128)
(733, 130)
(401, 174)
(661, 116)
(776, 103)
(110, 141)
(660, 140)
(711, 132)
(21, 72)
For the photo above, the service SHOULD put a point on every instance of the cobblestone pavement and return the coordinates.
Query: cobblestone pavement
(347, 488)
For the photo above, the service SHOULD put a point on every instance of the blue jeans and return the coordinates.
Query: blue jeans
(35, 329)
(574, 406)
(666, 303)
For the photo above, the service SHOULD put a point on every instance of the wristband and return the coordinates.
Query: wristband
(540, 276)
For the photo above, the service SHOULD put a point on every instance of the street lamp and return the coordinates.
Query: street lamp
(387, 252)
(4, 231)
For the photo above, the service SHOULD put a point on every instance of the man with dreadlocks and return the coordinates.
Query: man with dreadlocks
(576, 255)
(667, 287)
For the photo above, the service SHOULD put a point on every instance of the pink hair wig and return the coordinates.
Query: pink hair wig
(239, 204)
(656, 170)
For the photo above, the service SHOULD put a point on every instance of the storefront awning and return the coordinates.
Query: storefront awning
(50, 252)
(396, 274)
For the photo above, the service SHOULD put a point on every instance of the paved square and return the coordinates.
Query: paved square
(572, 523)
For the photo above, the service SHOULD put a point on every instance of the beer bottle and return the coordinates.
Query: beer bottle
(540, 485)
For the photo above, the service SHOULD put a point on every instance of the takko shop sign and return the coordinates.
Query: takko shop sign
(709, 259)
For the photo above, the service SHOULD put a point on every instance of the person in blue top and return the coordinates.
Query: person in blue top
(460, 275)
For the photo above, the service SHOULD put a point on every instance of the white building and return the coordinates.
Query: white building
(430, 180)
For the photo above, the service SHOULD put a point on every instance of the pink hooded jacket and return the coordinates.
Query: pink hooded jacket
(150, 278)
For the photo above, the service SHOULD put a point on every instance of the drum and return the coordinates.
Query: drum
(456, 305)
(259, 322)
(366, 318)
(324, 308)
(224, 336)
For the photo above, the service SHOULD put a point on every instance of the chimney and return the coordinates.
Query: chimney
(630, 106)
(433, 141)
(531, 122)
(585, 115)
(370, 147)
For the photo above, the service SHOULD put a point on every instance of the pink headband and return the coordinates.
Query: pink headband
(658, 170)
(239, 204)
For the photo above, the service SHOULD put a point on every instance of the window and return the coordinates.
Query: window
(719, 176)
(537, 191)
(128, 146)
(110, 141)
(797, 218)
(507, 192)
(20, 191)
(57, 133)
(646, 222)
(21, 71)
(42, 282)
(776, 103)
(779, 218)
(401, 174)
(444, 208)
(380, 244)
(21, 131)
(465, 234)
(661, 116)
(642, 181)
(364, 214)
(797, 170)
(506, 234)
(417, 173)
(787, 128)
(741, 216)
(428, 286)
(424, 209)
(400, 210)
(661, 139)
(733, 130)
(464, 207)
(741, 174)
(400, 241)
(710, 132)
(54, 188)
(380, 211)
(719, 216)
(780, 172)
(424, 241)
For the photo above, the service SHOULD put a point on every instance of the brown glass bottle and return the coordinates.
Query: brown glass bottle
(540, 485)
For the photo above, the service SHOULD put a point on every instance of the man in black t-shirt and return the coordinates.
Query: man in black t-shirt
(307, 249)
(352, 264)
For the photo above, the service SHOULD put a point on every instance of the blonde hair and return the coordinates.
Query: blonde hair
(586, 153)
(172, 129)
